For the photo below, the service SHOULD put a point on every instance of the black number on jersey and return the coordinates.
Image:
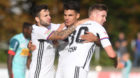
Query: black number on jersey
(78, 40)
(72, 37)
(84, 29)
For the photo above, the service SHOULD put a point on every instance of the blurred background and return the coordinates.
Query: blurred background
(123, 16)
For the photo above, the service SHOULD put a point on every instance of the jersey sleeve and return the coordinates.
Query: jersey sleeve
(104, 38)
(44, 33)
(55, 26)
(14, 43)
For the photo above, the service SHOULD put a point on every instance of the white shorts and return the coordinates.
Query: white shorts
(45, 74)
(71, 72)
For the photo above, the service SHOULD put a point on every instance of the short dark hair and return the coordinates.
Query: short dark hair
(72, 5)
(36, 10)
(97, 7)
(27, 25)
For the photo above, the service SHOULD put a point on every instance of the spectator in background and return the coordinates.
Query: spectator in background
(137, 51)
(19, 53)
(121, 45)
(127, 65)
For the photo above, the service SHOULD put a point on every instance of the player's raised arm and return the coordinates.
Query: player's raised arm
(61, 27)
(62, 34)
(82, 21)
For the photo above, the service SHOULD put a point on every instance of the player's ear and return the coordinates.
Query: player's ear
(93, 14)
(78, 15)
(37, 19)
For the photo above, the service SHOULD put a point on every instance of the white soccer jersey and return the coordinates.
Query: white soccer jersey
(62, 49)
(42, 65)
(76, 63)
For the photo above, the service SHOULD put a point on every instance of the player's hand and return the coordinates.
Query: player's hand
(89, 37)
(31, 46)
(82, 21)
(120, 65)
(55, 43)
(61, 27)
(115, 62)
(28, 62)
(11, 74)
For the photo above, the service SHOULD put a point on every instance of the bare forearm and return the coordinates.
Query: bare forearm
(62, 34)
(28, 61)
(9, 64)
(66, 32)
(110, 52)
(10, 69)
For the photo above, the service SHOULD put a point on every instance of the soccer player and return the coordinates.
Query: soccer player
(71, 16)
(42, 65)
(18, 52)
(77, 58)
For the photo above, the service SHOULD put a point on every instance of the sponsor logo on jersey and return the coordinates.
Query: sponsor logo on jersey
(49, 47)
(72, 49)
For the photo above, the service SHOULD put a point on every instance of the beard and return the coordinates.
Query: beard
(43, 23)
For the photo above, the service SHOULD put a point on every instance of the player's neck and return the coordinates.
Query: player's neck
(91, 19)
(41, 25)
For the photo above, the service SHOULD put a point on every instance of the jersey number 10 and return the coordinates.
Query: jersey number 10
(81, 31)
